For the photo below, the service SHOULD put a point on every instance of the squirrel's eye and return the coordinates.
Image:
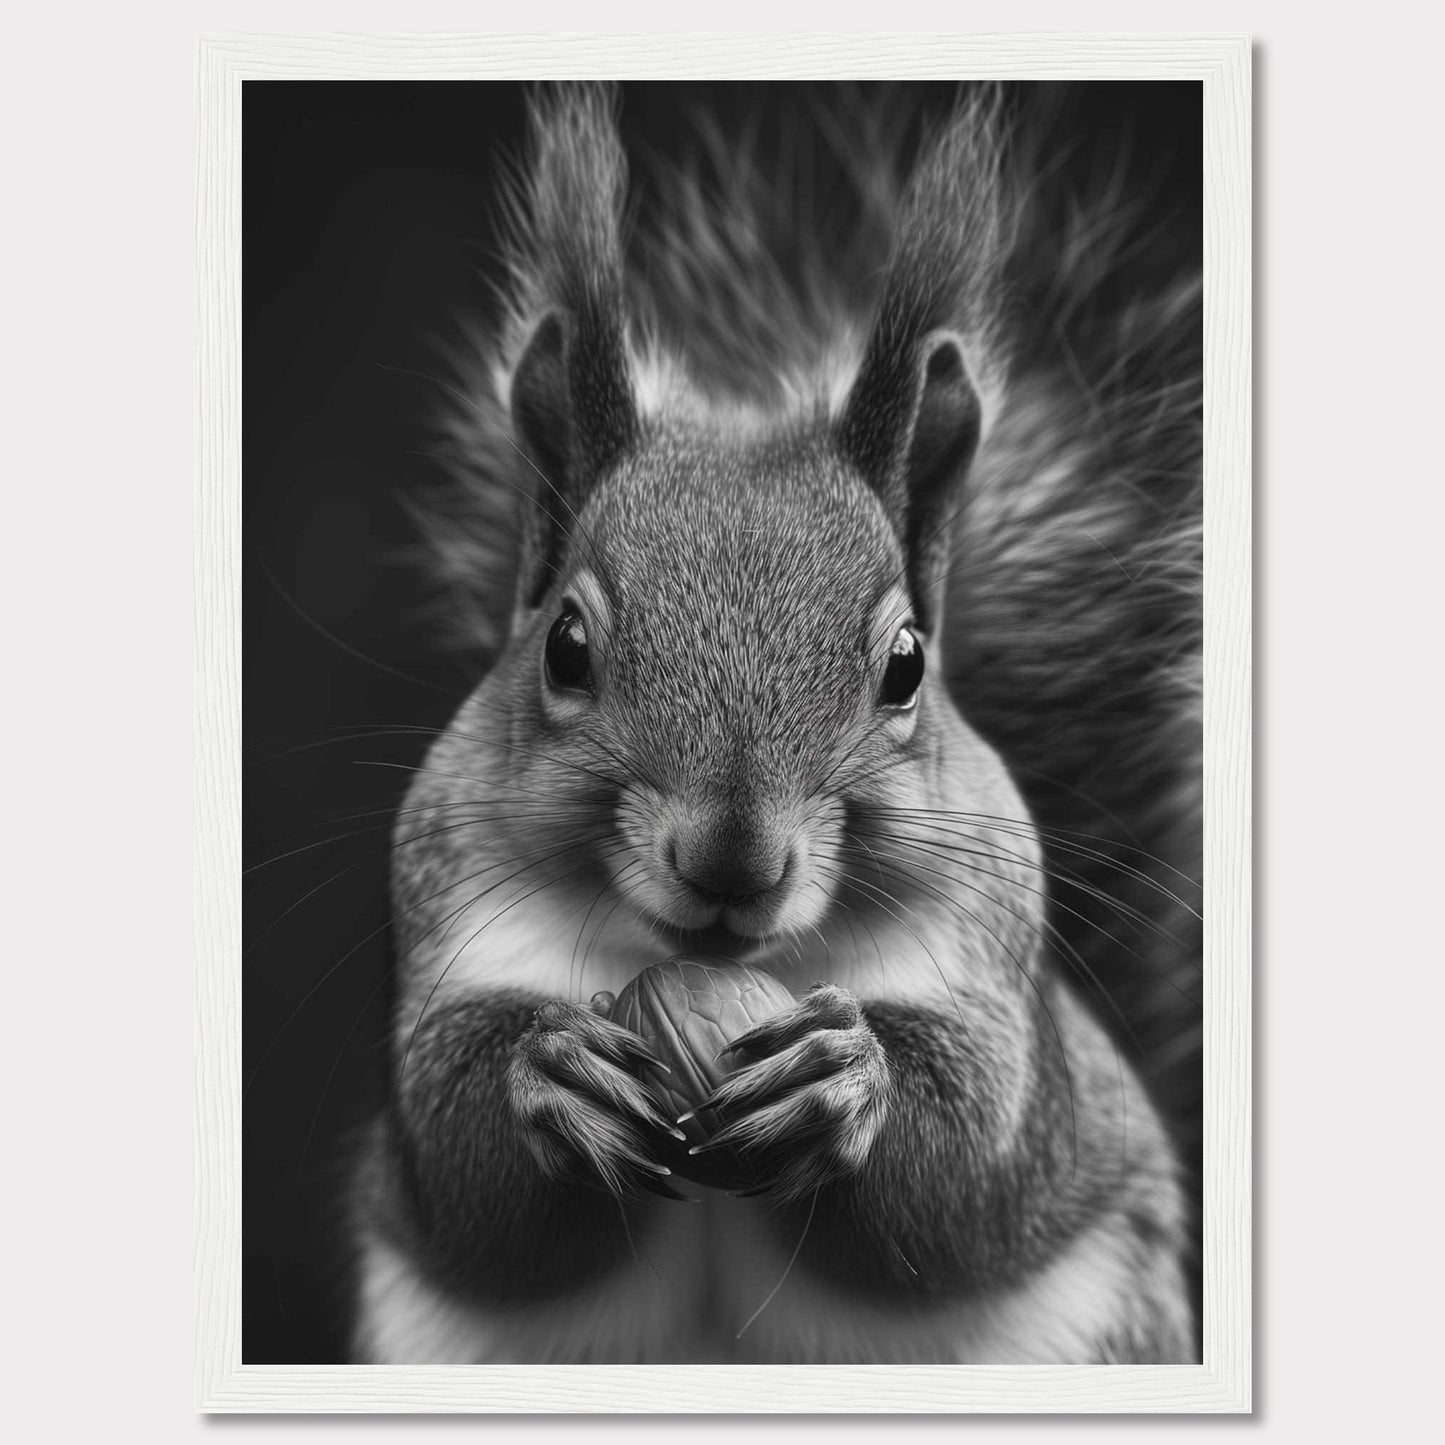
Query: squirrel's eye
(568, 664)
(905, 671)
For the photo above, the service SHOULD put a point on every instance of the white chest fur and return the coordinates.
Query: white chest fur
(710, 1283)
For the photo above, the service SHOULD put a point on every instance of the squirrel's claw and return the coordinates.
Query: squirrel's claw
(586, 1116)
(809, 1110)
(610, 1040)
(825, 1006)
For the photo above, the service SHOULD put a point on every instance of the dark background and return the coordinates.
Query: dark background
(367, 228)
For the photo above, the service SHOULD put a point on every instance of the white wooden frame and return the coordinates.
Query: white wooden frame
(1222, 1382)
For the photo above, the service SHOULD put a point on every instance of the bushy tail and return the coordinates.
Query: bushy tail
(1076, 600)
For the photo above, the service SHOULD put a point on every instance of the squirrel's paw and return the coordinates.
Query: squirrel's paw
(585, 1115)
(808, 1098)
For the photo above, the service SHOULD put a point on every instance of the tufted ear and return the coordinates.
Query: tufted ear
(911, 426)
(574, 416)
(541, 407)
(573, 409)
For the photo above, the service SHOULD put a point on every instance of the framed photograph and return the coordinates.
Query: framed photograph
(723, 707)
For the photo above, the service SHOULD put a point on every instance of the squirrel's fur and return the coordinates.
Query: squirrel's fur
(815, 373)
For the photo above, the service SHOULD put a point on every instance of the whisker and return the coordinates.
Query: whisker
(336, 1064)
(1024, 829)
(852, 880)
(1033, 984)
(998, 853)
(360, 944)
(610, 783)
(1039, 931)
(787, 1269)
(948, 856)
(629, 769)
(337, 820)
(506, 908)
(572, 966)
(535, 857)
(349, 837)
(607, 918)
(332, 638)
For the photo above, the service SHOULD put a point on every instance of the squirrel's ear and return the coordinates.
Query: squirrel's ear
(573, 411)
(911, 426)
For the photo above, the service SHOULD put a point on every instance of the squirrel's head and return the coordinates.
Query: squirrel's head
(726, 635)
(738, 633)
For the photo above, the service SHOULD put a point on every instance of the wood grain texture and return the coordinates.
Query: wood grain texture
(1222, 1383)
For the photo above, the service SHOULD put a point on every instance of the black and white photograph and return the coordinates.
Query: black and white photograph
(723, 697)
(720, 730)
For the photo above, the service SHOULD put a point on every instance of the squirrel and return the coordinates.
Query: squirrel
(846, 590)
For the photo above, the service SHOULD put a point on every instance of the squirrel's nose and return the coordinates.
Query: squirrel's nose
(725, 867)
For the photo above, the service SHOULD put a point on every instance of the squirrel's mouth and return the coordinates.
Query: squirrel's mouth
(700, 923)
(751, 931)
(716, 892)
(716, 941)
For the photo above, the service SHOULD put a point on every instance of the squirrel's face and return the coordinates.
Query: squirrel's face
(731, 643)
